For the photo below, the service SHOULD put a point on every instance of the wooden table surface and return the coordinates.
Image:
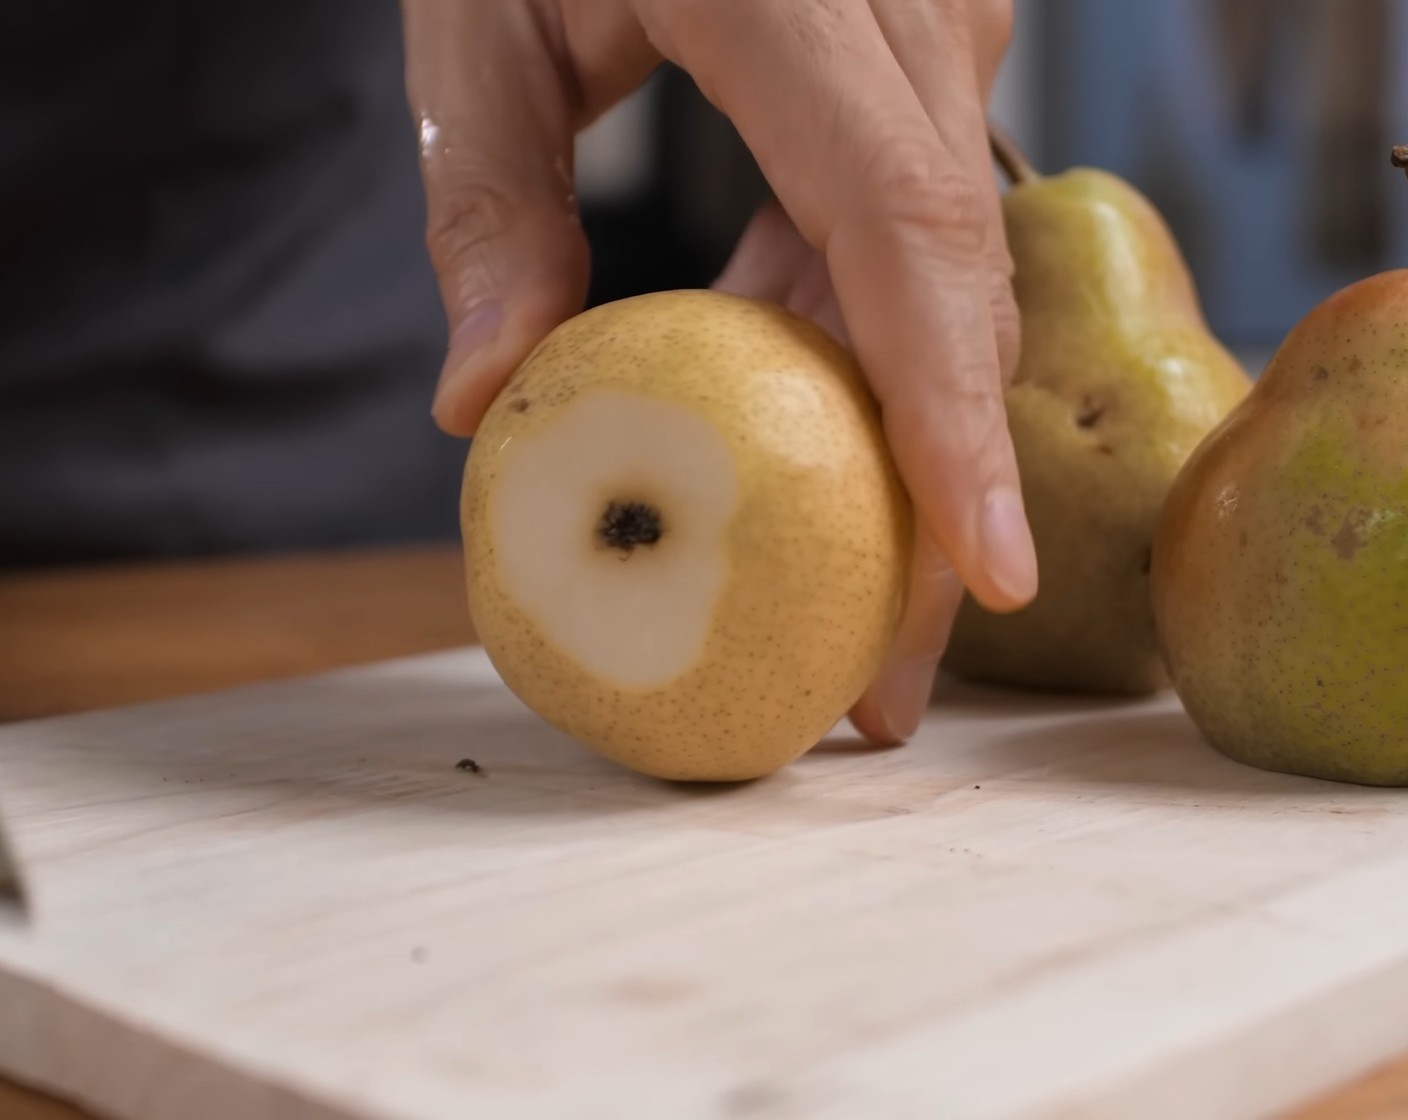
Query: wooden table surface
(86, 638)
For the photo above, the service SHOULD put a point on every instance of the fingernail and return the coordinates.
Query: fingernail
(478, 329)
(901, 697)
(1007, 544)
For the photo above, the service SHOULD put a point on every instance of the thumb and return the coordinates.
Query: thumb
(503, 231)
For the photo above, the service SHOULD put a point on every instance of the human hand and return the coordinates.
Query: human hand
(867, 118)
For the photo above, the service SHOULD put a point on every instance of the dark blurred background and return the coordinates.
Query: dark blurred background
(219, 333)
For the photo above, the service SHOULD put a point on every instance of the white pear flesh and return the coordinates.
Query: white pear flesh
(636, 617)
(686, 544)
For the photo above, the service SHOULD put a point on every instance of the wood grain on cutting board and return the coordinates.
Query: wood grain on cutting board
(288, 901)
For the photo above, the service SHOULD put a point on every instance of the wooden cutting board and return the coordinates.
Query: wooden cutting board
(286, 902)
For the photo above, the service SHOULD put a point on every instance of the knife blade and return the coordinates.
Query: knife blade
(13, 904)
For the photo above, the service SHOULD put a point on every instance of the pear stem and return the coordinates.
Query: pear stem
(1009, 157)
(1399, 157)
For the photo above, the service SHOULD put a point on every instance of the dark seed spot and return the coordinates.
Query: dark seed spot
(1350, 538)
(1104, 449)
(1090, 412)
(626, 525)
(469, 765)
(1319, 373)
(519, 405)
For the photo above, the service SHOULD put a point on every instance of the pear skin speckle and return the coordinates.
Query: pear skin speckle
(817, 548)
(1280, 575)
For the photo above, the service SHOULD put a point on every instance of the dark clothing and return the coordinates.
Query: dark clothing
(219, 330)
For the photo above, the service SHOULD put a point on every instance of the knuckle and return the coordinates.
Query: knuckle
(977, 414)
(967, 425)
(984, 409)
(463, 216)
(920, 193)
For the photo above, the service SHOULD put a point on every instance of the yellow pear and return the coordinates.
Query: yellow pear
(686, 543)
(1118, 380)
(1280, 575)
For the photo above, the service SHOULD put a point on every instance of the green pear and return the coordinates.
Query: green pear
(1119, 379)
(1280, 579)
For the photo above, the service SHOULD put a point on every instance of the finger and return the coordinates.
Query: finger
(892, 707)
(503, 230)
(787, 269)
(953, 97)
(866, 179)
(773, 261)
(979, 32)
(813, 296)
(769, 254)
